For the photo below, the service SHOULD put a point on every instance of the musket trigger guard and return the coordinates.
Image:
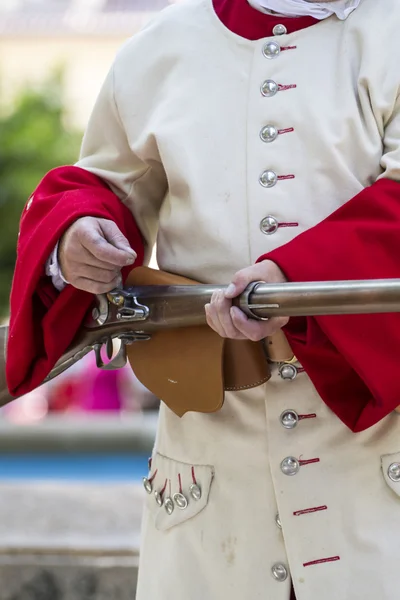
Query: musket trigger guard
(120, 360)
(244, 304)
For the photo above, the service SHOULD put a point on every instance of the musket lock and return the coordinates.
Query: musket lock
(129, 308)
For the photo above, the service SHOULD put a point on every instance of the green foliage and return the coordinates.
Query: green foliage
(33, 140)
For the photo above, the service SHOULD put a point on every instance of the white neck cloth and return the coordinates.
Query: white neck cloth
(299, 8)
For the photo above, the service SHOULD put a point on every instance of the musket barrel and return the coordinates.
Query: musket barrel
(324, 298)
(180, 306)
(174, 306)
(183, 306)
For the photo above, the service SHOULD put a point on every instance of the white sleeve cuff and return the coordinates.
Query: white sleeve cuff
(53, 270)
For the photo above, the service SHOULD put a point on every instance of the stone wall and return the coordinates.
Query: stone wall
(33, 577)
(69, 541)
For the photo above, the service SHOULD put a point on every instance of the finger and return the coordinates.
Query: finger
(95, 287)
(242, 279)
(256, 330)
(115, 237)
(213, 312)
(222, 308)
(213, 320)
(96, 274)
(95, 243)
(215, 324)
(81, 257)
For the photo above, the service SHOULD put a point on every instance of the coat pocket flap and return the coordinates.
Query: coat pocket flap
(178, 491)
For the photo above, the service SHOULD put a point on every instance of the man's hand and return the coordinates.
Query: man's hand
(91, 254)
(229, 321)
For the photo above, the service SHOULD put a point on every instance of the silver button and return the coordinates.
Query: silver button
(268, 134)
(180, 501)
(269, 225)
(269, 88)
(279, 572)
(289, 419)
(394, 472)
(159, 498)
(169, 505)
(271, 50)
(290, 466)
(148, 486)
(288, 372)
(195, 491)
(268, 179)
(279, 30)
(278, 520)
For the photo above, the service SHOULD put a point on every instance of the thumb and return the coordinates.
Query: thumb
(241, 280)
(115, 237)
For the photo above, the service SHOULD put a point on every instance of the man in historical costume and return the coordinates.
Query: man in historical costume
(264, 133)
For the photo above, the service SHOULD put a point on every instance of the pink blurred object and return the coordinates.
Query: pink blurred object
(101, 390)
(83, 388)
(86, 388)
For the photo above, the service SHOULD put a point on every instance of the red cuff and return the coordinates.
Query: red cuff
(43, 323)
(351, 359)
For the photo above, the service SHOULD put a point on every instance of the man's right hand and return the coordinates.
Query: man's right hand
(91, 254)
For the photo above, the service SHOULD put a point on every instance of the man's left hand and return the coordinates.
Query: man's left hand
(229, 321)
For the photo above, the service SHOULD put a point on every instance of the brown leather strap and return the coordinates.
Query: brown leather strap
(278, 349)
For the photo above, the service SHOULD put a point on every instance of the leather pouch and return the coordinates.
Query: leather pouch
(189, 368)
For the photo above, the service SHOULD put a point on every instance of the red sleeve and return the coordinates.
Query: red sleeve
(353, 360)
(43, 322)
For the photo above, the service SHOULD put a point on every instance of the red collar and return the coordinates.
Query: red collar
(249, 23)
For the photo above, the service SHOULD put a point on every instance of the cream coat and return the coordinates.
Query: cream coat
(176, 132)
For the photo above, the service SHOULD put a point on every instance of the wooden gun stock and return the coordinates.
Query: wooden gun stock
(5, 396)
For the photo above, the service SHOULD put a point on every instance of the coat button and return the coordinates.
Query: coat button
(289, 419)
(169, 505)
(288, 372)
(278, 520)
(180, 501)
(279, 572)
(268, 179)
(269, 88)
(394, 472)
(271, 50)
(195, 491)
(279, 30)
(290, 466)
(269, 225)
(148, 486)
(268, 134)
(159, 498)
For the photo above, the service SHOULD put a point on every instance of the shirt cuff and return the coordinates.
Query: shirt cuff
(53, 270)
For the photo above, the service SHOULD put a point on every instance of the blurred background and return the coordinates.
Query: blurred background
(72, 453)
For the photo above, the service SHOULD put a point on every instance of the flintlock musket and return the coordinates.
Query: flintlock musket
(133, 313)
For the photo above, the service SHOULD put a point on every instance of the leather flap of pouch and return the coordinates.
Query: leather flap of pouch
(189, 368)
